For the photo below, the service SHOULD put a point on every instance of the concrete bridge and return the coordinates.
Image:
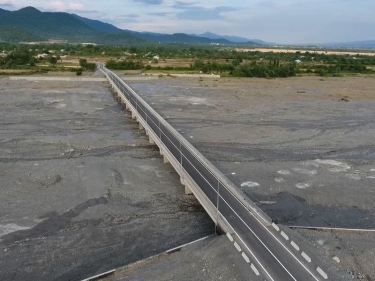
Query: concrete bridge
(265, 247)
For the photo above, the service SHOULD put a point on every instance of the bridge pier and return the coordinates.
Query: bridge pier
(150, 139)
(140, 126)
(133, 115)
(187, 188)
(165, 160)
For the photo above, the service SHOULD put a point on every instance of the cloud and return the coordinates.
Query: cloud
(190, 11)
(64, 6)
(161, 14)
(149, 2)
(130, 16)
(6, 4)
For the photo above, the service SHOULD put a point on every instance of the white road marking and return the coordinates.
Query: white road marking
(259, 263)
(230, 237)
(254, 269)
(321, 272)
(305, 256)
(245, 257)
(261, 241)
(275, 226)
(283, 234)
(264, 245)
(237, 247)
(295, 246)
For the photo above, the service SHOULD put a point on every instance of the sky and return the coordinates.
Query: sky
(280, 21)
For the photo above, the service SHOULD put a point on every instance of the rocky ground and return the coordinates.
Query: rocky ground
(302, 148)
(212, 259)
(82, 190)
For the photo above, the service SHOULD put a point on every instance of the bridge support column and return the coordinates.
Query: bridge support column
(187, 189)
(165, 159)
(161, 152)
(133, 115)
(140, 126)
(151, 140)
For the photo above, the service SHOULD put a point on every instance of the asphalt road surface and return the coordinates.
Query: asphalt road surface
(277, 262)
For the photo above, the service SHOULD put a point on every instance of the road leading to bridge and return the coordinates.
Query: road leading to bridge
(235, 213)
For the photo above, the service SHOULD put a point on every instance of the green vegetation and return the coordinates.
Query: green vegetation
(264, 70)
(186, 58)
(17, 58)
(15, 35)
(30, 25)
(87, 65)
(124, 65)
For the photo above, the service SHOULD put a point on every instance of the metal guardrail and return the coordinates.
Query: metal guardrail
(202, 171)
(223, 201)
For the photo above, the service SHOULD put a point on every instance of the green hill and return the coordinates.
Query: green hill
(31, 24)
(60, 26)
(11, 34)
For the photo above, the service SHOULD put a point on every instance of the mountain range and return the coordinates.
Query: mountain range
(29, 24)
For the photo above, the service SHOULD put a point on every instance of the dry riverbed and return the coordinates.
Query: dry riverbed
(301, 148)
(82, 190)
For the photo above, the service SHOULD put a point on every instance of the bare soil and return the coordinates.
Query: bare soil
(280, 50)
(82, 190)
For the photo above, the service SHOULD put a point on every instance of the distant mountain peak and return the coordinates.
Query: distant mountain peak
(29, 9)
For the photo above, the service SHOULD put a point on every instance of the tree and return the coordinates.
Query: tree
(52, 60)
(83, 63)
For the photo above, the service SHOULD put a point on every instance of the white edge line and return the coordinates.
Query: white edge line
(236, 215)
(187, 244)
(286, 248)
(253, 232)
(260, 264)
(99, 275)
(264, 245)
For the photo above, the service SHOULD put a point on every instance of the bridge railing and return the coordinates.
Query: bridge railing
(215, 185)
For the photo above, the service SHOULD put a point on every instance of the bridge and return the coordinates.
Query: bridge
(265, 247)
